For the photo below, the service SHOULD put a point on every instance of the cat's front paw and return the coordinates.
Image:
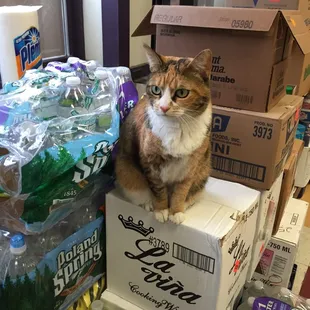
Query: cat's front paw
(177, 218)
(162, 215)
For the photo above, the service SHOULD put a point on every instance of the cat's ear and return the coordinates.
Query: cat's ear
(153, 58)
(202, 64)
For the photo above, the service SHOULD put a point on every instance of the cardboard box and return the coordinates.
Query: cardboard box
(277, 262)
(201, 264)
(299, 66)
(250, 147)
(265, 220)
(303, 168)
(250, 48)
(114, 302)
(288, 181)
(269, 4)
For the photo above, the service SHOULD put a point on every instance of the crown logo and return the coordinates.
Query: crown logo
(129, 224)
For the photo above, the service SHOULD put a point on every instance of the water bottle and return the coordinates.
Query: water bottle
(285, 296)
(248, 305)
(72, 103)
(102, 101)
(89, 76)
(74, 62)
(255, 290)
(97, 305)
(21, 262)
(128, 94)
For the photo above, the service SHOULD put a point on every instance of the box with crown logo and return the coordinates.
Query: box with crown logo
(201, 264)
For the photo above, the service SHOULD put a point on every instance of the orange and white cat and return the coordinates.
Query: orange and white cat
(164, 148)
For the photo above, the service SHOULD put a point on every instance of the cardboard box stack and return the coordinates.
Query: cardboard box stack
(277, 262)
(253, 134)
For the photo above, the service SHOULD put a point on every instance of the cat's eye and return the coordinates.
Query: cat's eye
(155, 90)
(181, 93)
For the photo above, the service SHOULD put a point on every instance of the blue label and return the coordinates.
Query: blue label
(219, 122)
(28, 51)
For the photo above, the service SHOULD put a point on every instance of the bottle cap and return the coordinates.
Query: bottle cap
(73, 81)
(73, 60)
(101, 75)
(251, 301)
(259, 285)
(97, 305)
(91, 65)
(285, 291)
(17, 244)
(123, 71)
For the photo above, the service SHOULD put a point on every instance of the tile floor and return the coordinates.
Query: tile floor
(303, 254)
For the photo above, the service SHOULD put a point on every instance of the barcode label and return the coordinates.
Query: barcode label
(240, 168)
(279, 264)
(216, 94)
(193, 258)
(244, 99)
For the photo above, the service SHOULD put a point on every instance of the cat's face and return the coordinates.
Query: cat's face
(179, 87)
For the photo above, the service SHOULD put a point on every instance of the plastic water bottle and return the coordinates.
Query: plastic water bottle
(97, 305)
(20, 260)
(285, 296)
(255, 290)
(248, 305)
(72, 103)
(128, 94)
(102, 101)
(89, 76)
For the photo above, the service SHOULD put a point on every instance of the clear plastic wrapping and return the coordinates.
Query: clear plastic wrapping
(59, 129)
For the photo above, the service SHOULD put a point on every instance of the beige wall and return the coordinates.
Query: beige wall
(138, 9)
(93, 30)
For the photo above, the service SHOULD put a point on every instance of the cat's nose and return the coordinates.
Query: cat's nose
(165, 109)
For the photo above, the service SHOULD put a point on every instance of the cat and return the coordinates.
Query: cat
(163, 161)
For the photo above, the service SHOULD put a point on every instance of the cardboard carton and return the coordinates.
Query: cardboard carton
(265, 220)
(250, 147)
(276, 265)
(201, 264)
(269, 4)
(250, 48)
(114, 302)
(288, 181)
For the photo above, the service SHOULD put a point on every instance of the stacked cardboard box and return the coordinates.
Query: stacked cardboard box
(253, 132)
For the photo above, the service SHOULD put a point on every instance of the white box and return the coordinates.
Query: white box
(276, 264)
(303, 168)
(114, 302)
(266, 216)
(201, 264)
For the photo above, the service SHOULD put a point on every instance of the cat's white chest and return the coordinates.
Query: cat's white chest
(175, 170)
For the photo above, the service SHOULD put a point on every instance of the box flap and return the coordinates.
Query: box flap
(292, 221)
(207, 17)
(145, 27)
(214, 17)
(299, 30)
